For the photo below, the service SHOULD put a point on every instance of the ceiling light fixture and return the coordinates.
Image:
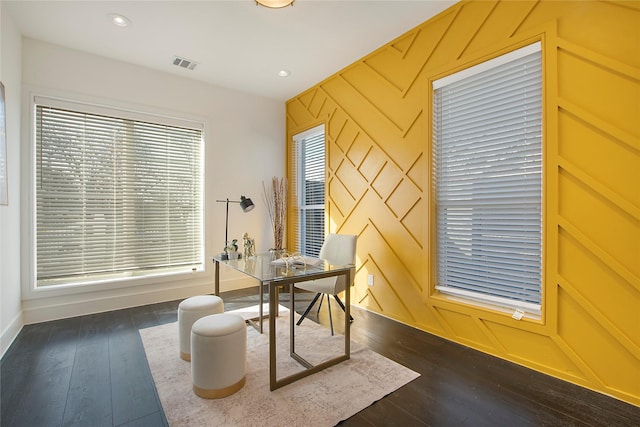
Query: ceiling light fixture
(284, 73)
(119, 20)
(275, 4)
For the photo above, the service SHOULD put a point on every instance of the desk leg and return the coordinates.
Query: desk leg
(347, 313)
(216, 275)
(273, 307)
(292, 312)
(260, 309)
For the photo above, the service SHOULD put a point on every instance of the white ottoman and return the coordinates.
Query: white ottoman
(218, 355)
(191, 310)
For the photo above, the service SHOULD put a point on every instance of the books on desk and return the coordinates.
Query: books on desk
(298, 260)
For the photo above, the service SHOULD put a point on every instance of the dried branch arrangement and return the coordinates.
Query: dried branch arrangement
(276, 201)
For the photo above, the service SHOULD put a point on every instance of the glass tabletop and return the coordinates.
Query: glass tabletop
(269, 267)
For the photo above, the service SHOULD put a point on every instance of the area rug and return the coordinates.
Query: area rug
(322, 399)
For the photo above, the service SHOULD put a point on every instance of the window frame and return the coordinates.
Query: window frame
(517, 310)
(300, 237)
(162, 279)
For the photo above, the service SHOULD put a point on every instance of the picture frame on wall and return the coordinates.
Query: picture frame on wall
(4, 198)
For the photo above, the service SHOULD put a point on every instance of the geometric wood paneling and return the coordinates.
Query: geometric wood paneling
(377, 115)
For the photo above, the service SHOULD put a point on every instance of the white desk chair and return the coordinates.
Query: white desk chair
(337, 249)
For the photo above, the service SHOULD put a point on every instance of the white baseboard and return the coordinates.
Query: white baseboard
(46, 309)
(11, 332)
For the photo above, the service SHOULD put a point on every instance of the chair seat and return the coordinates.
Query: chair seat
(324, 286)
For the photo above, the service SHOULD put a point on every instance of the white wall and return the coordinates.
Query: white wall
(245, 145)
(10, 65)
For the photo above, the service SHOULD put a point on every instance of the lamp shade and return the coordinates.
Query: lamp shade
(246, 204)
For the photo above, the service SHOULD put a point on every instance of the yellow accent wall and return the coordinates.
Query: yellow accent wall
(377, 114)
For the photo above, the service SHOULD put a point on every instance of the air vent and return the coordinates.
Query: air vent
(184, 63)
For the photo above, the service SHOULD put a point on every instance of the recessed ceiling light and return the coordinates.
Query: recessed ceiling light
(119, 20)
(284, 73)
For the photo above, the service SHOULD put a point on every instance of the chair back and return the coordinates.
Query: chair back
(339, 249)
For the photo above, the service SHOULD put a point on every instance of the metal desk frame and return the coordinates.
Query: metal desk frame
(281, 278)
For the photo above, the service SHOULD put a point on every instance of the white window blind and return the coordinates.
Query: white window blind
(115, 196)
(309, 185)
(487, 151)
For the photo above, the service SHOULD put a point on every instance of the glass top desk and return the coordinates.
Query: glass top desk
(275, 277)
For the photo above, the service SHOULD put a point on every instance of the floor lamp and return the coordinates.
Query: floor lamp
(247, 205)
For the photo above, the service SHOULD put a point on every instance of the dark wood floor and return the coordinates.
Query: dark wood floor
(92, 371)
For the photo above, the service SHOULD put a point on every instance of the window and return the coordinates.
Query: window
(116, 196)
(308, 176)
(487, 159)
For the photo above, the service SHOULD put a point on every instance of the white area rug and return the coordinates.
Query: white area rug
(321, 399)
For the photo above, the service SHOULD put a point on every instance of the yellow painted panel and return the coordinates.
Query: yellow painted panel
(337, 123)
(401, 62)
(317, 102)
(357, 185)
(359, 148)
(398, 110)
(386, 134)
(464, 328)
(608, 29)
(336, 217)
(590, 276)
(417, 172)
(403, 198)
(297, 115)
(503, 21)
(610, 96)
(583, 145)
(458, 35)
(334, 157)
(615, 232)
(613, 366)
(340, 197)
(533, 349)
(414, 222)
(389, 177)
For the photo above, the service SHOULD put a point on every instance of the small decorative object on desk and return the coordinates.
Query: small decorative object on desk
(290, 259)
(249, 246)
(232, 249)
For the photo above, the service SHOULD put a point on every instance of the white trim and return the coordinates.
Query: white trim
(11, 332)
(474, 298)
(309, 132)
(44, 310)
(487, 65)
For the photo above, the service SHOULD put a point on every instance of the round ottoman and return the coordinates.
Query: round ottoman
(218, 355)
(191, 310)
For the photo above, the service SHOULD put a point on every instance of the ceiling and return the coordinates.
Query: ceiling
(235, 43)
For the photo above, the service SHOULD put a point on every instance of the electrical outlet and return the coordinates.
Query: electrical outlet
(370, 280)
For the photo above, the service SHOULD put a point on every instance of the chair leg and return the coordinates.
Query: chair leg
(343, 307)
(309, 308)
(330, 316)
(320, 305)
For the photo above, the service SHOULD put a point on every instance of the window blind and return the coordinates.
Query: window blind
(309, 185)
(487, 151)
(115, 196)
